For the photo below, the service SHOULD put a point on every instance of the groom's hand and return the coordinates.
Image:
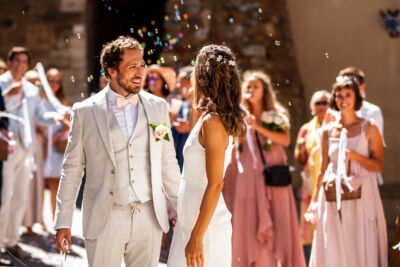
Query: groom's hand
(62, 235)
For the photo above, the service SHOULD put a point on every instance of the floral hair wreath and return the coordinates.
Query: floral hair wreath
(210, 55)
(220, 59)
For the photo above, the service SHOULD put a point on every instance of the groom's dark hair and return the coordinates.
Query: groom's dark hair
(110, 56)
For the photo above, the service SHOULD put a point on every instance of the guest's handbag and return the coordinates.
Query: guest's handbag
(61, 141)
(330, 190)
(276, 175)
(61, 145)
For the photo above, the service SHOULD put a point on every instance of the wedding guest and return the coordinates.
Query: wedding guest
(34, 200)
(307, 152)
(3, 66)
(55, 138)
(21, 99)
(180, 125)
(159, 81)
(355, 235)
(265, 224)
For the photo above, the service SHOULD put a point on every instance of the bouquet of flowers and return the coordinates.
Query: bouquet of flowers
(274, 121)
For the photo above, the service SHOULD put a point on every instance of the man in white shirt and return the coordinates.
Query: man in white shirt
(130, 168)
(368, 110)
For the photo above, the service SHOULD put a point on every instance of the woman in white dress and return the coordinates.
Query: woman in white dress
(203, 231)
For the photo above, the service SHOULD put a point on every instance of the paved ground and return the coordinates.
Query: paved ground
(44, 251)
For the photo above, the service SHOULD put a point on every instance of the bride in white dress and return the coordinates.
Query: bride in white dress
(203, 232)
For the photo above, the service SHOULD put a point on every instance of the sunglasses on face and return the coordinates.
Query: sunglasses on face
(321, 103)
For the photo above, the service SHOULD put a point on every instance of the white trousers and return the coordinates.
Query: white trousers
(132, 234)
(17, 170)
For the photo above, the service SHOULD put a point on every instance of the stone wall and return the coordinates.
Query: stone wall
(257, 31)
(54, 31)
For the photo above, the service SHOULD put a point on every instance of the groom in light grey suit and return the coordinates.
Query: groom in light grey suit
(129, 173)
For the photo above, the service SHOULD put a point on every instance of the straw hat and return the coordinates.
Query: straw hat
(168, 74)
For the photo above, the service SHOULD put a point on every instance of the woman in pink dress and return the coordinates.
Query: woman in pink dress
(265, 222)
(356, 234)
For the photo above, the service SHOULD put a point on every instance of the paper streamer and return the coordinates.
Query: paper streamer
(62, 109)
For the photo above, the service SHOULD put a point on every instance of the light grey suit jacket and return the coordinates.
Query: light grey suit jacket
(89, 146)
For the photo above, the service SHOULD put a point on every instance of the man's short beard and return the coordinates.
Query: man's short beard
(128, 89)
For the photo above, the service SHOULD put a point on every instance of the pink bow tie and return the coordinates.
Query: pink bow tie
(121, 101)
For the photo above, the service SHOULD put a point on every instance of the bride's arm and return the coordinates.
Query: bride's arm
(214, 138)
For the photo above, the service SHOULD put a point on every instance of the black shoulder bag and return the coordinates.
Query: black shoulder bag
(276, 175)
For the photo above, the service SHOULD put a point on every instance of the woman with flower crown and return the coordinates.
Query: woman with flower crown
(265, 222)
(203, 231)
(351, 231)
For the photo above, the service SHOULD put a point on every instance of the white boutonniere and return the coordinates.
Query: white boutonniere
(160, 131)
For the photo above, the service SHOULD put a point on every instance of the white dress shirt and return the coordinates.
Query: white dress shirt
(127, 119)
(126, 115)
(370, 111)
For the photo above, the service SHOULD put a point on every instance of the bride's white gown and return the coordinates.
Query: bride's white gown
(217, 242)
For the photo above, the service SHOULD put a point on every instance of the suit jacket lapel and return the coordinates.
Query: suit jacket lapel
(149, 113)
(100, 111)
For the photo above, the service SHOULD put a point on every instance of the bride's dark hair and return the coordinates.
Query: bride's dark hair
(217, 87)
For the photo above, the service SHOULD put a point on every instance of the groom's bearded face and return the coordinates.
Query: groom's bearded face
(130, 71)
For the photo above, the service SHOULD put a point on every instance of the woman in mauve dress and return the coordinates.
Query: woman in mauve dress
(265, 222)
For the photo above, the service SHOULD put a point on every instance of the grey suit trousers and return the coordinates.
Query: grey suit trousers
(132, 233)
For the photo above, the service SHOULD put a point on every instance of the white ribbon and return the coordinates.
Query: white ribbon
(60, 108)
(237, 154)
(341, 165)
(251, 146)
(47, 166)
